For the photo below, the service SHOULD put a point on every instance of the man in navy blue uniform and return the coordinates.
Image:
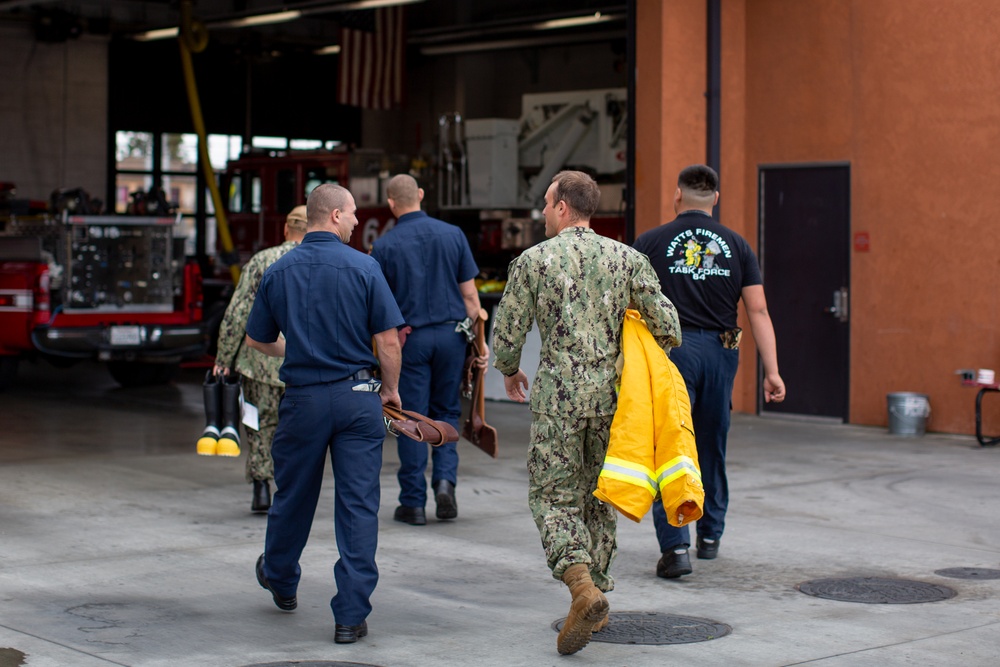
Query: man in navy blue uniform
(705, 269)
(319, 306)
(430, 270)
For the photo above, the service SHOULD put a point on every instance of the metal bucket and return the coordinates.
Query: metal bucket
(908, 413)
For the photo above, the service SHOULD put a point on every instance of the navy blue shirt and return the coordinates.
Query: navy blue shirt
(703, 268)
(328, 300)
(424, 260)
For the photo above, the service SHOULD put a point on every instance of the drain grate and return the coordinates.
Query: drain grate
(311, 663)
(969, 573)
(876, 590)
(653, 629)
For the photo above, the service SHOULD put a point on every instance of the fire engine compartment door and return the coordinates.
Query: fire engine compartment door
(119, 264)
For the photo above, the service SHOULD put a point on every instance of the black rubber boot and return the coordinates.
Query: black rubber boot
(444, 494)
(261, 496)
(209, 440)
(229, 436)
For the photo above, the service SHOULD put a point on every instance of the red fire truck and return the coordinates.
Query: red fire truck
(112, 288)
(262, 188)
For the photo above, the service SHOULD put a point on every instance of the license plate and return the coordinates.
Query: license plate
(125, 336)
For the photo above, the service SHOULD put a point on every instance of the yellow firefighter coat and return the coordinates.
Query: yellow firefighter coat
(652, 448)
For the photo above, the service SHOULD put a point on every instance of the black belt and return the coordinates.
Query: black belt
(363, 374)
(435, 324)
(702, 330)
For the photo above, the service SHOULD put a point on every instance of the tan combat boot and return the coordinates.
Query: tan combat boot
(588, 609)
(601, 624)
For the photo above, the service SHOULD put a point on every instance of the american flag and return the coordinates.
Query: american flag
(371, 61)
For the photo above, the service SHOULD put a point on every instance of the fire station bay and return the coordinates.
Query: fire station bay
(151, 148)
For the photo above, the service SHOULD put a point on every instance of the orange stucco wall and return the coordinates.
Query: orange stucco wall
(907, 93)
(670, 103)
(737, 198)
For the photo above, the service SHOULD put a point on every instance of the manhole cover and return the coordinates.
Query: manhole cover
(876, 590)
(652, 629)
(311, 663)
(969, 573)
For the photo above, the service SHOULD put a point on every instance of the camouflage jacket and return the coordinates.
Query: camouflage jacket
(249, 362)
(577, 287)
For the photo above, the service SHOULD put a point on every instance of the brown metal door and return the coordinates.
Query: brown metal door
(805, 260)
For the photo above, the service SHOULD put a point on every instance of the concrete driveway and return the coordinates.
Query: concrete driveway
(120, 546)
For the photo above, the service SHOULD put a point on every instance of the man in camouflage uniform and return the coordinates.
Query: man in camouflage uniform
(576, 286)
(261, 386)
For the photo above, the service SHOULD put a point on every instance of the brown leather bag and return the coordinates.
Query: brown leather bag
(417, 426)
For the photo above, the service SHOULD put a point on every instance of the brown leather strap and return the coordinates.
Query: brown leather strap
(429, 430)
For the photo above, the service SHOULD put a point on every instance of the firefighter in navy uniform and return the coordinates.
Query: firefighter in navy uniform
(705, 269)
(329, 301)
(429, 267)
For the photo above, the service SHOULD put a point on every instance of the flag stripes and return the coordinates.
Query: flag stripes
(371, 63)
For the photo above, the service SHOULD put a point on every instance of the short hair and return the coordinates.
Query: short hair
(698, 183)
(579, 191)
(297, 219)
(403, 189)
(323, 201)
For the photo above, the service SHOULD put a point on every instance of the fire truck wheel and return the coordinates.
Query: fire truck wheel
(139, 374)
(8, 372)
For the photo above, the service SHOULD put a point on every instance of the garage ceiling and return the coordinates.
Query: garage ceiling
(436, 26)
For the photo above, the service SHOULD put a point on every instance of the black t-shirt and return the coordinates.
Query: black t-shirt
(703, 268)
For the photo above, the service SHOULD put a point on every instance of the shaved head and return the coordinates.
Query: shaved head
(403, 190)
(323, 201)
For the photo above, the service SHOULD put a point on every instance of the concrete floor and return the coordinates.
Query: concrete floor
(120, 546)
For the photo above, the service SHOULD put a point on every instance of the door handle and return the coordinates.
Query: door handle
(840, 308)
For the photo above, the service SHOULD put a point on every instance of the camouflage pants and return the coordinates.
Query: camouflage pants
(266, 398)
(565, 458)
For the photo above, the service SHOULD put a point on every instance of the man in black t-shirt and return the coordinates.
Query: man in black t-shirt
(705, 269)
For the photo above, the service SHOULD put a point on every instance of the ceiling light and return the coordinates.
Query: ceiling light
(372, 4)
(519, 43)
(261, 19)
(328, 50)
(572, 22)
(160, 33)
(318, 7)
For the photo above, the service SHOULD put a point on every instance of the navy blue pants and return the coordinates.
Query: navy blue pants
(430, 382)
(311, 420)
(709, 370)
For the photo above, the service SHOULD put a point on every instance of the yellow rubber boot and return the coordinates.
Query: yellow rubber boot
(229, 436)
(228, 445)
(588, 608)
(208, 442)
(212, 393)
